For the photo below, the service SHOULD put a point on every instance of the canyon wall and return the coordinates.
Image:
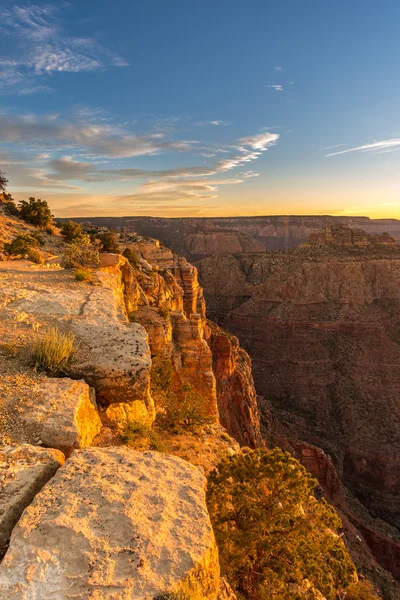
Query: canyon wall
(197, 238)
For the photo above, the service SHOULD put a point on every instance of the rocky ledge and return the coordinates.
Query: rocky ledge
(114, 523)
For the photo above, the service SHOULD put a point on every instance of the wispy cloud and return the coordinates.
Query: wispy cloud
(81, 151)
(42, 46)
(95, 139)
(276, 87)
(383, 145)
(216, 123)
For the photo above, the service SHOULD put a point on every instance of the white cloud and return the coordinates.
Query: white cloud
(43, 46)
(277, 88)
(279, 69)
(382, 145)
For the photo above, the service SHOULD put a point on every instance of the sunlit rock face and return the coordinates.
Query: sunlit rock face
(174, 316)
(63, 414)
(24, 470)
(114, 523)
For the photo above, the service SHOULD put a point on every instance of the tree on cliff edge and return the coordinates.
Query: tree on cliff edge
(3, 182)
(276, 540)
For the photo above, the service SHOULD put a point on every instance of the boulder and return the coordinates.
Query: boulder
(114, 524)
(65, 416)
(24, 470)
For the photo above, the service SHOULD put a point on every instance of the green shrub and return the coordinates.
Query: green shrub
(161, 374)
(72, 231)
(109, 241)
(35, 256)
(21, 245)
(164, 311)
(39, 238)
(141, 437)
(184, 410)
(9, 204)
(272, 533)
(83, 275)
(81, 254)
(36, 212)
(52, 351)
(131, 256)
(361, 590)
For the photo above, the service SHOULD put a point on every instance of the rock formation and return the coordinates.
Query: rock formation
(114, 523)
(172, 310)
(198, 238)
(237, 401)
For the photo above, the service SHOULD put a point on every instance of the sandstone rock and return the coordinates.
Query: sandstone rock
(65, 415)
(24, 470)
(114, 523)
(192, 357)
(120, 414)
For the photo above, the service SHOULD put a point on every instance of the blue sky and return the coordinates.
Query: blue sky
(202, 108)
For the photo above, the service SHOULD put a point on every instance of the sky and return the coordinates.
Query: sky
(202, 108)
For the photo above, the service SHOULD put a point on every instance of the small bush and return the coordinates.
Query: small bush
(21, 245)
(72, 231)
(38, 237)
(52, 351)
(161, 374)
(83, 275)
(36, 212)
(81, 254)
(9, 204)
(35, 256)
(141, 437)
(109, 241)
(131, 256)
(361, 590)
(164, 311)
(184, 410)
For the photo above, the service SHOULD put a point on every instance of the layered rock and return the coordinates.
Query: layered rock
(24, 470)
(237, 400)
(173, 315)
(114, 523)
(198, 238)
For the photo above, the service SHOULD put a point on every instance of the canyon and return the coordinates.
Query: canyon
(198, 238)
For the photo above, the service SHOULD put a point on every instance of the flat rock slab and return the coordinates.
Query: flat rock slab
(63, 415)
(114, 524)
(24, 470)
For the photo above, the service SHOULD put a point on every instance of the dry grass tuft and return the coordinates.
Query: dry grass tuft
(52, 351)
